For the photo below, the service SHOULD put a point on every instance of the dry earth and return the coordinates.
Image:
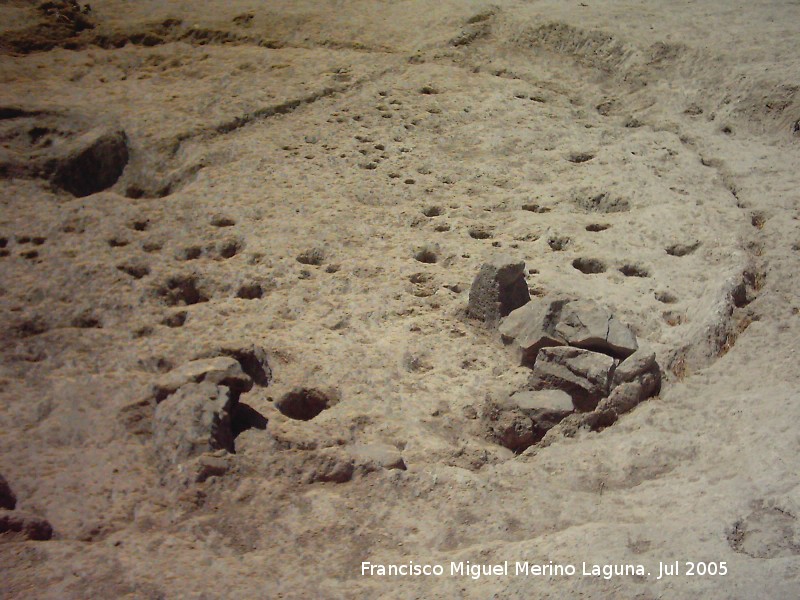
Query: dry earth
(310, 188)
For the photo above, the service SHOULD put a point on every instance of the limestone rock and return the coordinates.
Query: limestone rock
(374, 457)
(638, 363)
(570, 427)
(622, 399)
(586, 324)
(498, 288)
(193, 420)
(582, 374)
(21, 525)
(7, 498)
(221, 370)
(532, 327)
(509, 427)
(545, 408)
(635, 379)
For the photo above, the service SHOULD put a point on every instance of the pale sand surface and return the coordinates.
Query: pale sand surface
(338, 126)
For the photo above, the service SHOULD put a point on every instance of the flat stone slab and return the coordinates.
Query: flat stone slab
(533, 327)
(586, 324)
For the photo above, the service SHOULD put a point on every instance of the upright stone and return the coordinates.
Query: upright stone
(498, 288)
(193, 420)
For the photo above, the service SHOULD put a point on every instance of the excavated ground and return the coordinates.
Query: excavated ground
(311, 188)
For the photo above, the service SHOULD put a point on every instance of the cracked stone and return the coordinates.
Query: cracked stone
(586, 324)
(583, 374)
(533, 327)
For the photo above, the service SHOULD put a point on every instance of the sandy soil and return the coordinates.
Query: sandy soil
(310, 188)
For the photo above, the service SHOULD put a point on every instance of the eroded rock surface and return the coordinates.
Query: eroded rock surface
(221, 370)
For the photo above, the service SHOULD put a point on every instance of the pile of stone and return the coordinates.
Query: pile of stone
(195, 406)
(198, 415)
(587, 367)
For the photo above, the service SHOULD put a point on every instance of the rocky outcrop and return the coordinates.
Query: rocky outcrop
(498, 289)
(545, 408)
(196, 406)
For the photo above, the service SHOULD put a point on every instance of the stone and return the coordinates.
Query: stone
(513, 430)
(622, 399)
(508, 426)
(328, 465)
(374, 457)
(221, 370)
(532, 327)
(586, 324)
(253, 359)
(637, 364)
(570, 427)
(545, 408)
(304, 404)
(7, 498)
(583, 374)
(498, 288)
(20, 525)
(193, 420)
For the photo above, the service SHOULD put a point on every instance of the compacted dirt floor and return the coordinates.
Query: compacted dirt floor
(303, 193)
